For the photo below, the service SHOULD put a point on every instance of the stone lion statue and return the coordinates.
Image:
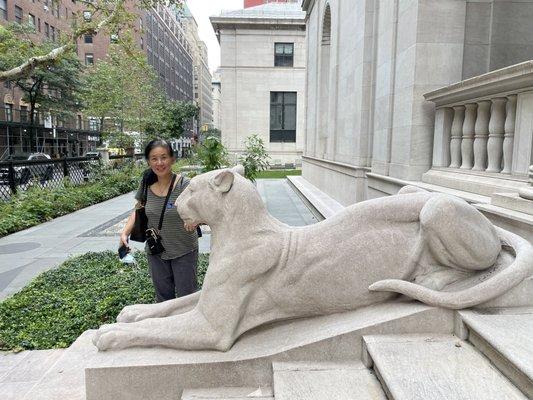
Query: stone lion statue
(431, 247)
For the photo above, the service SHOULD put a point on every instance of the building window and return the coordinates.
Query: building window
(3, 9)
(18, 15)
(31, 20)
(53, 33)
(88, 38)
(283, 54)
(23, 113)
(47, 30)
(89, 59)
(283, 117)
(9, 112)
(39, 24)
(142, 43)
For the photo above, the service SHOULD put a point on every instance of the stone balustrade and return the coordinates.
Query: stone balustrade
(485, 123)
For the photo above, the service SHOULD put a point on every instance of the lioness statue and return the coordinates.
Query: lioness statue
(431, 247)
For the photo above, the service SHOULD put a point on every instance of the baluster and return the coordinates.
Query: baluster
(467, 145)
(457, 134)
(527, 192)
(496, 130)
(481, 130)
(508, 139)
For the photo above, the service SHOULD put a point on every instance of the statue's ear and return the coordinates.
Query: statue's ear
(239, 169)
(222, 181)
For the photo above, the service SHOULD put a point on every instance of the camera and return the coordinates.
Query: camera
(153, 240)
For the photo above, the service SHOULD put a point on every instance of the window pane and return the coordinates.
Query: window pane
(276, 97)
(288, 48)
(289, 98)
(276, 117)
(289, 116)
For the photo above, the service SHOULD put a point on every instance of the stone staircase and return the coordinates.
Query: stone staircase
(495, 363)
(391, 351)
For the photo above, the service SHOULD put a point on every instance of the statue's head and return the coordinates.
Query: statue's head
(210, 196)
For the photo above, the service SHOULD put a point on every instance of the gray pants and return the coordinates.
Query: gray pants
(173, 277)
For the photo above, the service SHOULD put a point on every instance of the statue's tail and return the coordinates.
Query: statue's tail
(493, 287)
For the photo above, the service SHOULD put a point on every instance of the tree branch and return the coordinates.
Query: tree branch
(28, 66)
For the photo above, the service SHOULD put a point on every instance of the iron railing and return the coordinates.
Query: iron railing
(20, 175)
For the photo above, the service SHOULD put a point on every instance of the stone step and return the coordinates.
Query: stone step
(325, 381)
(505, 336)
(320, 203)
(421, 367)
(19, 372)
(229, 393)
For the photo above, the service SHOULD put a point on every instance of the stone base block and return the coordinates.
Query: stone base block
(163, 373)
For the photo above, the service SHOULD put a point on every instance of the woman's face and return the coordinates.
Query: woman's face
(160, 161)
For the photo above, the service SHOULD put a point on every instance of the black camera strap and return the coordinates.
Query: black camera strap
(170, 188)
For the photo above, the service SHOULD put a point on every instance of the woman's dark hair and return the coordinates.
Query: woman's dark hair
(158, 143)
(149, 176)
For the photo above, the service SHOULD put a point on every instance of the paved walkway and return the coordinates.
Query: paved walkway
(26, 254)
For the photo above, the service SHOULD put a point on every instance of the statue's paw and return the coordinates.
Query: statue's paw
(110, 337)
(138, 312)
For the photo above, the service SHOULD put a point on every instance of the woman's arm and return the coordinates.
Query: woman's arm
(124, 235)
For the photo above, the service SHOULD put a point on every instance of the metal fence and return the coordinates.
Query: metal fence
(18, 176)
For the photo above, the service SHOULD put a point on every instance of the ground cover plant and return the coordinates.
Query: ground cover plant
(82, 293)
(37, 205)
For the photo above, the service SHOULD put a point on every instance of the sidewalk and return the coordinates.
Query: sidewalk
(26, 254)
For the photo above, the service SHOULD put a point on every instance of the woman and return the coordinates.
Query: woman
(174, 270)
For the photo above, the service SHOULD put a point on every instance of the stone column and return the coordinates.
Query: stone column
(441, 137)
(457, 134)
(481, 130)
(467, 144)
(508, 139)
(496, 131)
(527, 192)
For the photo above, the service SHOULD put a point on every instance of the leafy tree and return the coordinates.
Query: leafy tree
(108, 16)
(53, 88)
(172, 117)
(255, 157)
(121, 91)
(211, 154)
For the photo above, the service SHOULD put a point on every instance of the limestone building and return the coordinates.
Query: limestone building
(216, 92)
(263, 78)
(428, 92)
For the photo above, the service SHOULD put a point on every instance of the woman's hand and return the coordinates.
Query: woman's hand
(189, 227)
(124, 239)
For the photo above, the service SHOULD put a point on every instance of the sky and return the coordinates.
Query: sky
(202, 10)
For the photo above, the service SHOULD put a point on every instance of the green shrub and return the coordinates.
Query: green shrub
(255, 157)
(37, 205)
(211, 154)
(83, 293)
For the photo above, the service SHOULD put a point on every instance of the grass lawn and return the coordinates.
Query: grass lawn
(82, 293)
(278, 173)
